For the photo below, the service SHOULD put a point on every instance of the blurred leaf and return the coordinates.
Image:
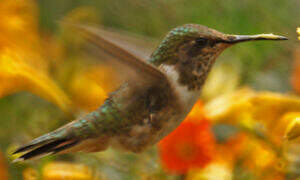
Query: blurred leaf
(80, 15)
(295, 77)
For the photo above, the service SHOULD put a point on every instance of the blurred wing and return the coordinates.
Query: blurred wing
(100, 39)
(140, 46)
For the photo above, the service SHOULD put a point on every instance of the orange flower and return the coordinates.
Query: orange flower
(3, 168)
(191, 145)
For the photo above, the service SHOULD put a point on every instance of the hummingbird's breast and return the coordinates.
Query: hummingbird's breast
(186, 98)
(157, 111)
(149, 113)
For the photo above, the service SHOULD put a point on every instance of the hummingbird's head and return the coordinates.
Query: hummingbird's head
(192, 41)
(193, 48)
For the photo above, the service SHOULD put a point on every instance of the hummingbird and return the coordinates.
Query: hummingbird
(150, 104)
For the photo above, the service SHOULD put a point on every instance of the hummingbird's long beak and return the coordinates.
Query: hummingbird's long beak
(242, 38)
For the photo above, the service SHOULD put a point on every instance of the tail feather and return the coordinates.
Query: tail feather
(50, 143)
(35, 143)
(46, 149)
(78, 135)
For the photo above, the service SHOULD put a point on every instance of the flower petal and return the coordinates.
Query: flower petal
(16, 75)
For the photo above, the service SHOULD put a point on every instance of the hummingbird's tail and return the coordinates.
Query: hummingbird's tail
(73, 137)
(43, 148)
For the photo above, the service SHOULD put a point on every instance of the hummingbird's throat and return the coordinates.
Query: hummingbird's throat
(193, 70)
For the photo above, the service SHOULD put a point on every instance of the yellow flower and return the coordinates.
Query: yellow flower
(268, 119)
(30, 174)
(19, 32)
(64, 170)
(22, 66)
(230, 107)
(90, 88)
(252, 110)
(86, 93)
(16, 75)
(293, 127)
(298, 31)
(18, 18)
(214, 171)
(259, 155)
(223, 79)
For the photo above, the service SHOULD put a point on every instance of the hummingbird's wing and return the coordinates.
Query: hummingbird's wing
(141, 69)
(138, 45)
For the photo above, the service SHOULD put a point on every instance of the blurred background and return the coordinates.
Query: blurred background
(248, 117)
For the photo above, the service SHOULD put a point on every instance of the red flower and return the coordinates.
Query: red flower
(191, 145)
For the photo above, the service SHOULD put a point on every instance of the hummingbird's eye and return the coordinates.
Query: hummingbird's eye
(201, 41)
